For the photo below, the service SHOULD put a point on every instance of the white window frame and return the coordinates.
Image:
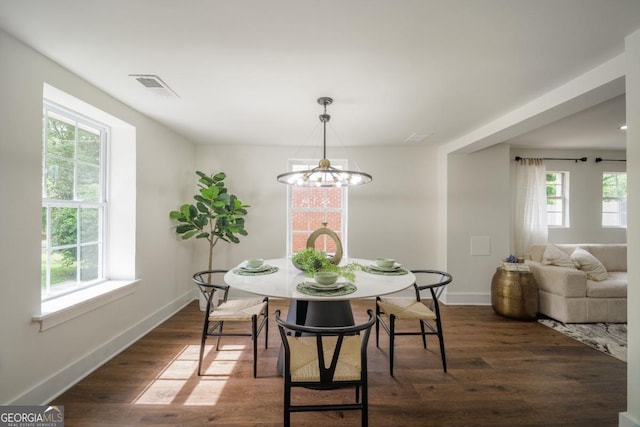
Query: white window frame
(563, 198)
(622, 204)
(78, 120)
(305, 164)
(120, 265)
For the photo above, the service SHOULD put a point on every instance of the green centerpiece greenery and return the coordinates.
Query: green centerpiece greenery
(311, 260)
(216, 215)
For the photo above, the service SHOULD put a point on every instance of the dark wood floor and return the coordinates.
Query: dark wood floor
(501, 373)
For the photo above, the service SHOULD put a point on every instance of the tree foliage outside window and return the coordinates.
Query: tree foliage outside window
(614, 199)
(556, 183)
(73, 201)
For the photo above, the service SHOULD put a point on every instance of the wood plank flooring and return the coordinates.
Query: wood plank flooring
(501, 372)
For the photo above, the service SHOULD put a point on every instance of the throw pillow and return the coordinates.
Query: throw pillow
(589, 264)
(556, 256)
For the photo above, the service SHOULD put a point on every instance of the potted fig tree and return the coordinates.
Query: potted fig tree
(216, 215)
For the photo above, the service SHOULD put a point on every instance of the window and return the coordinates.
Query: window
(115, 262)
(557, 196)
(614, 199)
(310, 207)
(73, 201)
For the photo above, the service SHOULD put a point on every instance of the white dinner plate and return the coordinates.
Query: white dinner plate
(395, 267)
(263, 267)
(319, 287)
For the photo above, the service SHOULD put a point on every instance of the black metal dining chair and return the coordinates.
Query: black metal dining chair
(226, 310)
(325, 358)
(427, 313)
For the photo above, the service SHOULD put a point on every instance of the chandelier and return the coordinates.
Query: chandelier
(324, 175)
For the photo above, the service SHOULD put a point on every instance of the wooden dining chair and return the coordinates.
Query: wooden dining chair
(427, 313)
(325, 358)
(230, 310)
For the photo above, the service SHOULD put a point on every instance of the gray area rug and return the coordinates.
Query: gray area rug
(609, 338)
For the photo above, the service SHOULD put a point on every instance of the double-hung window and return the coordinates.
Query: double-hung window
(311, 207)
(557, 184)
(614, 199)
(74, 206)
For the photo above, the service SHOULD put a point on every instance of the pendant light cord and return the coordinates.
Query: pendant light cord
(324, 118)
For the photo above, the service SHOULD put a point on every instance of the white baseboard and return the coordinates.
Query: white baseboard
(59, 382)
(626, 420)
(452, 298)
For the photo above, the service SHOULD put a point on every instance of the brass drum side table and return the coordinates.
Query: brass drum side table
(514, 294)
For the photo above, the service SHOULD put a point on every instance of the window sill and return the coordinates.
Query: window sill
(59, 310)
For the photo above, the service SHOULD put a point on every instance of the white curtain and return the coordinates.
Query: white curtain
(530, 209)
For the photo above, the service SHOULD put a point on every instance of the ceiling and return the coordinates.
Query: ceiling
(250, 71)
(593, 128)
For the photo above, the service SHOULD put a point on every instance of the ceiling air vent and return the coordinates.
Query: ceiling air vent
(154, 84)
(417, 137)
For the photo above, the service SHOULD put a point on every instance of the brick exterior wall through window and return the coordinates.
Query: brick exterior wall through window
(310, 208)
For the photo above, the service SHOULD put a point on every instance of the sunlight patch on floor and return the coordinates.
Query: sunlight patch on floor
(206, 392)
(179, 379)
(160, 392)
(224, 360)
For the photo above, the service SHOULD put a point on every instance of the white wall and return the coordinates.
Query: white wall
(392, 216)
(632, 416)
(34, 366)
(478, 210)
(585, 195)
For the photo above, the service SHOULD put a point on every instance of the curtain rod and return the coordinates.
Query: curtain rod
(600, 159)
(581, 159)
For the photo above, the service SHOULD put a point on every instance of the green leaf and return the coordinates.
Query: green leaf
(189, 235)
(186, 211)
(225, 197)
(175, 215)
(210, 193)
(201, 221)
(219, 176)
(202, 207)
(183, 228)
(205, 179)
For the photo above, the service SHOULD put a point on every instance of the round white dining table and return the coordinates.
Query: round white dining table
(283, 283)
(317, 310)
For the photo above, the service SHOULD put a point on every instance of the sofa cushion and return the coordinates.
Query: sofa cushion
(567, 282)
(614, 287)
(589, 264)
(613, 256)
(555, 256)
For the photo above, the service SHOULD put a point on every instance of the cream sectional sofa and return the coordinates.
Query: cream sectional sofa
(569, 294)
